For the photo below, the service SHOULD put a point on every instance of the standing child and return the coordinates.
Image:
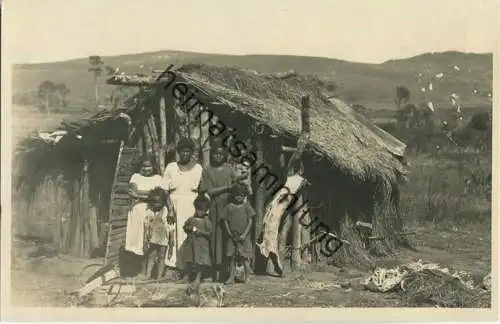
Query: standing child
(238, 217)
(197, 249)
(159, 232)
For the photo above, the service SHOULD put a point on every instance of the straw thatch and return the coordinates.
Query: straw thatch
(36, 159)
(347, 142)
(351, 143)
(434, 288)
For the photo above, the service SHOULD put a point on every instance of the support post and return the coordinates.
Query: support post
(296, 259)
(296, 157)
(260, 198)
(205, 140)
(305, 232)
(154, 140)
(148, 145)
(75, 232)
(163, 135)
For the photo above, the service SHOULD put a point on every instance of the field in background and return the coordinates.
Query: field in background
(453, 228)
(372, 85)
(28, 119)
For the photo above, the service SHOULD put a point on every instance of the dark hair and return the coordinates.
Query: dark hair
(145, 158)
(186, 143)
(217, 144)
(157, 192)
(201, 202)
(239, 189)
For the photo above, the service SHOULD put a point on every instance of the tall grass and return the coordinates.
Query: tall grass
(450, 180)
(45, 216)
(436, 190)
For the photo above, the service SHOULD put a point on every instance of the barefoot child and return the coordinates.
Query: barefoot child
(238, 217)
(159, 232)
(197, 248)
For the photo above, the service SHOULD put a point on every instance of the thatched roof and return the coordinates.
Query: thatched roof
(350, 142)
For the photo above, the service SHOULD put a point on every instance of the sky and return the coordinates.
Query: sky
(370, 31)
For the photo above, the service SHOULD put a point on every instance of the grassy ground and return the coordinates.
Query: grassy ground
(46, 281)
(453, 229)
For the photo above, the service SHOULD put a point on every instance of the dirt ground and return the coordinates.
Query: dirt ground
(47, 281)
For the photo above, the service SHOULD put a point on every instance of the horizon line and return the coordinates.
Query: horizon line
(242, 55)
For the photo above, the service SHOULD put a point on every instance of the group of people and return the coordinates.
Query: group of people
(192, 220)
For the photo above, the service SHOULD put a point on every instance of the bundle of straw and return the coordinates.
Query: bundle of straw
(436, 288)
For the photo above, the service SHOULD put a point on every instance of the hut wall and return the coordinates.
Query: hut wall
(347, 201)
(44, 216)
(101, 172)
(70, 210)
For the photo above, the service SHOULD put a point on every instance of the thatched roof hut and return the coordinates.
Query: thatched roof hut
(353, 166)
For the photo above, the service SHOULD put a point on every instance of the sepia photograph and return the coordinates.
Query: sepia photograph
(282, 154)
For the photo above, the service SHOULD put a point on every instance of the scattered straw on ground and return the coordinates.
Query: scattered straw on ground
(427, 284)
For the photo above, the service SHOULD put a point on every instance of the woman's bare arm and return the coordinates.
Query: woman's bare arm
(214, 192)
(171, 216)
(136, 193)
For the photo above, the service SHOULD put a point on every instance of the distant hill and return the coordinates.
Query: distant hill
(372, 85)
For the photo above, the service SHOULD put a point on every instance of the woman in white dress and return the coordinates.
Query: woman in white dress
(139, 186)
(181, 180)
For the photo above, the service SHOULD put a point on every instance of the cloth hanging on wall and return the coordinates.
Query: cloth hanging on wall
(274, 212)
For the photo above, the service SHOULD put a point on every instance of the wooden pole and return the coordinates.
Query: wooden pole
(296, 259)
(260, 198)
(140, 145)
(180, 127)
(205, 140)
(148, 144)
(305, 232)
(87, 234)
(155, 144)
(59, 212)
(74, 236)
(296, 156)
(303, 138)
(163, 135)
(94, 201)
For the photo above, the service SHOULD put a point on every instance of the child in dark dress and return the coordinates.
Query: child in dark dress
(197, 248)
(238, 217)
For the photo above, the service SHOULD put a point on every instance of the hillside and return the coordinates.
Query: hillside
(372, 85)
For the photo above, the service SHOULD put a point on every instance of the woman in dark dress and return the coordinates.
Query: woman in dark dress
(217, 181)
